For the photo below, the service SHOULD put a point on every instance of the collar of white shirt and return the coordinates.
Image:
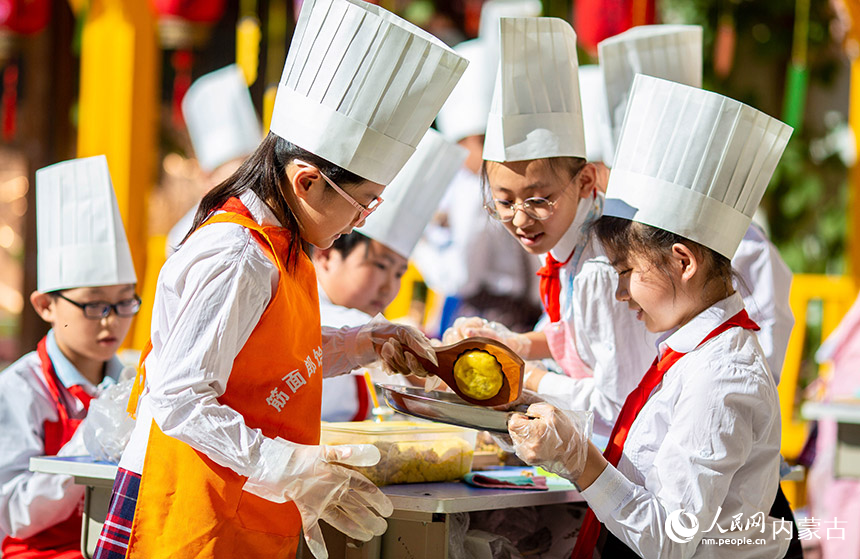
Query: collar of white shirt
(686, 338)
(261, 213)
(564, 247)
(69, 374)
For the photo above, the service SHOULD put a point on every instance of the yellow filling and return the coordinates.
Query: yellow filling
(478, 374)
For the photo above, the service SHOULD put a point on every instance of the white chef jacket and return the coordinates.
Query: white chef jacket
(180, 229)
(210, 296)
(707, 442)
(340, 393)
(31, 502)
(609, 340)
(474, 252)
(767, 282)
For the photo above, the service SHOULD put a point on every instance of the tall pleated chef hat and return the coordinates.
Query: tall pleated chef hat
(670, 52)
(693, 162)
(414, 194)
(536, 110)
(494, 10)
(465, 112)
(595, 117)
(220, 117)
(361, 86)
(80, 237)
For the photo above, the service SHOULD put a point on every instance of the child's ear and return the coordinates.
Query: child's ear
(687, 261)
(43, 305)
(587, 180)
(302, 179)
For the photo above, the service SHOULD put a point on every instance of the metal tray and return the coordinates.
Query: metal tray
(446, 407)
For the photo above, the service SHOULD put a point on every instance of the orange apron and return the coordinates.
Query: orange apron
(189, 506)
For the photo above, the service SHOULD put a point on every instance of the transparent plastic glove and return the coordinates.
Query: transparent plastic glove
(396, 345)
(324, 490)
(470, 327)
(555, 440)
(107, 427)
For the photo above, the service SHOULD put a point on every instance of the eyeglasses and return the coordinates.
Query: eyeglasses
(363, 211)
(100, 309)
(536, 208)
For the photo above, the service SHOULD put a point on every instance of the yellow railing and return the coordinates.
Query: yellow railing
(836, 293)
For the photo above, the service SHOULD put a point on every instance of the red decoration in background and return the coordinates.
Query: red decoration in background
(197, 11)
(181, 61)
(595, 20)
(24, 16)
(9, 101)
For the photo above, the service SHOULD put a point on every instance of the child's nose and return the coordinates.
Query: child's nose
(621, 292)
(520, 218)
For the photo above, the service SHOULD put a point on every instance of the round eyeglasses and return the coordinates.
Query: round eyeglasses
(536, 208)
(98, 310)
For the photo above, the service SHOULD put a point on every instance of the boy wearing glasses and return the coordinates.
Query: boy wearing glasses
(359, 275)
(86, 291)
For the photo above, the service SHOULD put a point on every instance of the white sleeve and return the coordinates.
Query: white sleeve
(220, 295)
(29, 502)
(710, 438)
(343, 352)
(610, 341)
(765, 289)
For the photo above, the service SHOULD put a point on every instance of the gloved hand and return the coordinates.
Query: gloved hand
(396, 345)
(555, 440)
(344, 498)
(469, 327)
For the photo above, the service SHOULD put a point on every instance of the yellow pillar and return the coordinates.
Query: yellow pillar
(118, 111)
(853, 237)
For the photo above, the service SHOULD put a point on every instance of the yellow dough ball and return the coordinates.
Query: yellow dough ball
(478, 374)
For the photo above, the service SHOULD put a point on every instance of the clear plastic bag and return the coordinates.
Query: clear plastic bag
(107, 427)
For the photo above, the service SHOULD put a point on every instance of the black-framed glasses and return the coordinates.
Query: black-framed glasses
(536, 208)
(98, 310)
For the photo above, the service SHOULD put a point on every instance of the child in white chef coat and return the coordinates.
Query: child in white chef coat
(225, 460)
(359, 275)
(694, 455)
(224, 130)
(86, 291)
(543, 191)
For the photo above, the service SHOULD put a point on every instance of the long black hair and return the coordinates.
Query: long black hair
(263, 173)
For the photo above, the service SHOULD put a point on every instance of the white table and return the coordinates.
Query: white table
(846, 460)
(418, 527)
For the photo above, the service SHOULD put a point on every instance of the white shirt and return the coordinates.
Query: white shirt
(210, 296)
(340, 393)
(609, 340)
(31, 502)
(707, 440)
(180, 229)
(767, 282)
(474, 252)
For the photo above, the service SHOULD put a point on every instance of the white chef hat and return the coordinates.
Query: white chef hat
(220, 117)
(361, 86)
(693, 162)
(670, 52)
(494, 10)
(536, 110)
(465, 112)
(595, 117)
(414, 194)
(80, 237)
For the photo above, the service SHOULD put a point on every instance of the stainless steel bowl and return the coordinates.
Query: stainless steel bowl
(446, 407)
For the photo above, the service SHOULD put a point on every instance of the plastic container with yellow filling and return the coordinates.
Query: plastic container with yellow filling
(412, 452)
